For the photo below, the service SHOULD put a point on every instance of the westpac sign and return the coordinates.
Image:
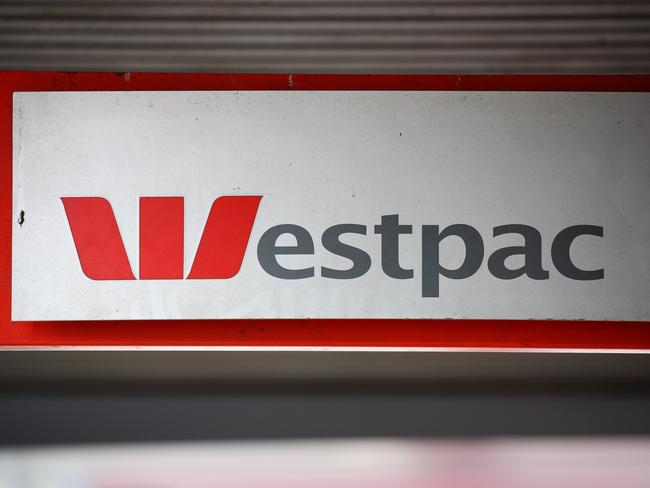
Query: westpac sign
(331, 204)
(225, 237)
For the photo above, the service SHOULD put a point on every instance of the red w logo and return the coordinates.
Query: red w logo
(103, 257)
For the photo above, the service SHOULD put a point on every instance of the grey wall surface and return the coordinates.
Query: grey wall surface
(390, 36)
(98, 397)
(29, 418)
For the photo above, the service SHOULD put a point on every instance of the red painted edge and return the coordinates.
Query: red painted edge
(321, 332)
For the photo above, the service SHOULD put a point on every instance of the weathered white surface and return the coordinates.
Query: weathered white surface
(550, 160)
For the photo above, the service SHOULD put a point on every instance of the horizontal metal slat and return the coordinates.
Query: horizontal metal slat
(264, 42)
(233, 66)
(323, 10)
(311, 53)
(315, 27)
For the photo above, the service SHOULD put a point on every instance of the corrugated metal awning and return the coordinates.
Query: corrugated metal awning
(358, 36)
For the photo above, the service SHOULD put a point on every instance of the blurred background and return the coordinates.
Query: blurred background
(204, 418)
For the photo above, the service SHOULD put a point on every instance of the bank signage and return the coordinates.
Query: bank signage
(227, 231)
(329, 204)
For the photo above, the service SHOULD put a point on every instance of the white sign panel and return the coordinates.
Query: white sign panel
(203, 205)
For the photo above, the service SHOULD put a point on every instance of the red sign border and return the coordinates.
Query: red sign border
(316, 333)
